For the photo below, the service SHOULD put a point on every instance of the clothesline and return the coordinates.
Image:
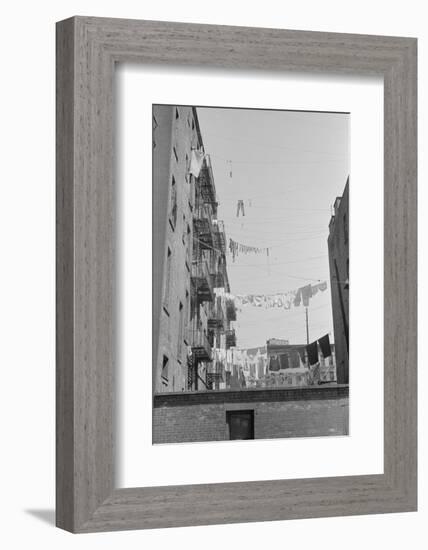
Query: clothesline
(272, 317)
(269, 237)
(274, 163)
(281, 263)
(254, 265)
(288, 242)
(268, 145)
(283, 231)
(281, 207)
(309, 353)
(286, 300)
(303, 228)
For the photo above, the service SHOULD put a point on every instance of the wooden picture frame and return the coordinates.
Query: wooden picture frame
(87, 50)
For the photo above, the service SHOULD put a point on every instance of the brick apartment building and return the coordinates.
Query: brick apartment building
(195, 329)
(338, 249)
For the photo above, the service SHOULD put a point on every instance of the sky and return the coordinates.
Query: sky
(288, 167)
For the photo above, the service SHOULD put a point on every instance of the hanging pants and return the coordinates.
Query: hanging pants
(240, 208)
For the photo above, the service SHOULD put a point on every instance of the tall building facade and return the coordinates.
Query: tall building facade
(338, 250)
(195, 320)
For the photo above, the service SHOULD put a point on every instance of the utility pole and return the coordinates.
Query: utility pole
(307, 325)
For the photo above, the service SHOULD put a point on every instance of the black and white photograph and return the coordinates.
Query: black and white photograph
(254, 326)
(210, 309)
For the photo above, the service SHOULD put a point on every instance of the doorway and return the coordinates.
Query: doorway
(241, 424)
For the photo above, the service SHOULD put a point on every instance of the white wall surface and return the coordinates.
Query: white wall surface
(27, 272)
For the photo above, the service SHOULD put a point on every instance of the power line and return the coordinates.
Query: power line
(275, 163)
(296, 231)
(280, 263)
(285, 209)
(279, 244)
(270, 146)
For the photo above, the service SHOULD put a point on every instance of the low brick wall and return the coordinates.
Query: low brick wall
(278, 413)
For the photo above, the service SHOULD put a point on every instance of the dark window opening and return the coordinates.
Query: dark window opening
(186, 336)
(186, 175)
(184, 234)
(175, 153)
(164, 373)
(241, 424)
(345, 228)
(167, 280)
(180, 330)
(154, 126)
(173, 213)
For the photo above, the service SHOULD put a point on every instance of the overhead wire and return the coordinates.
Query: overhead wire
(268, 145)
(275, 163)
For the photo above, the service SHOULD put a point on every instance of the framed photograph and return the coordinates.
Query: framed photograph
(236, 274)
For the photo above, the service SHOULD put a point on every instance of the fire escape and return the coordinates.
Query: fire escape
(210, 322)
(202, 280)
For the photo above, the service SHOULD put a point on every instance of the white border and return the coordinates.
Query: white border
(140, 462)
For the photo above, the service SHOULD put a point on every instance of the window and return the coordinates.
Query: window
(345, 228)
(167, 280)
(173, 212)
(164, 372)
(186, 175)
(174, 149)
(180, 330)
(188, 246)
(186, 336)
(154, 126)
(184, 235)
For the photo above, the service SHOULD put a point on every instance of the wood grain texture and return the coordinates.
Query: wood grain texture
(87, 49)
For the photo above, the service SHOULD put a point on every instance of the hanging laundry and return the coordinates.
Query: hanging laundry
(274, 364)
(294, 359)
(229, 162)
(302, 355)
(319, 286)
(233, 247)
(240, 208)
(283, 361)
(298, 298)
(306, 292)
(312, 351)
(259, 301)
(314, 375)
(324, 343)
(196, 161)
(236, 247)
(283, 300)
(242, 379)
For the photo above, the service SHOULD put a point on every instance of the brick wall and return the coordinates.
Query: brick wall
(278, 413)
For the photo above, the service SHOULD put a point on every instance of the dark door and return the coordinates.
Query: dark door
(241, 424)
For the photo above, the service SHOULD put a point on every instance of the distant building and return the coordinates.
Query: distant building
(195, 322)
(338, 249)
(279, 364)
(287, 365)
